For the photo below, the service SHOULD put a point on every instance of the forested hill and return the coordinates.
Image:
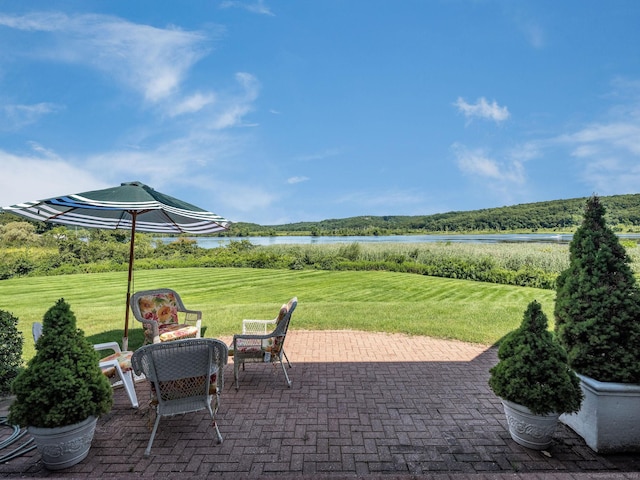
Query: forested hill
(623, 214)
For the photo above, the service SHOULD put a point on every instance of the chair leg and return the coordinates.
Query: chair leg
(147, 452)
(287, 358)
(236, 367)
(213, 412)
(127, 382)
(284, 370)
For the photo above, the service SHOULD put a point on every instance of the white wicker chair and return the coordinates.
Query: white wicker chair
(116, 367)
(164, 316)
(254, 345)
(185, 375)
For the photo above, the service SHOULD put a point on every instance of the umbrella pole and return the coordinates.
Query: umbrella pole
(125, 338)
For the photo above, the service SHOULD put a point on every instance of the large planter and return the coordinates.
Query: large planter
(63, 447)
(528, 429)
(609, 420)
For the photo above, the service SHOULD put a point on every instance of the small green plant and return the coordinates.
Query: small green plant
(11, 342)
(533, 371)
(597, 308)
(62, 384)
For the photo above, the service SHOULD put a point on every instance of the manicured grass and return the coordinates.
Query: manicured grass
(373, 301)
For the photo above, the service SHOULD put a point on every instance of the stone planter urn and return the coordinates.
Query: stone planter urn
(609, 420)
(63, 447)
(528, 429)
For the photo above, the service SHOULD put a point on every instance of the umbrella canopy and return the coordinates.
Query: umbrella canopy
(132, 206)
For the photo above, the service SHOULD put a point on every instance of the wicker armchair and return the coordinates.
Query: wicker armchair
(160, 312)
(116, 367)
(261, 347)
(185, 375)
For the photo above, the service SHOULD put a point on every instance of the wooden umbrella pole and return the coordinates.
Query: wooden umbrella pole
(125, 338)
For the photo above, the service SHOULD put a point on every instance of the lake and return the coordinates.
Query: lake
(213, 242)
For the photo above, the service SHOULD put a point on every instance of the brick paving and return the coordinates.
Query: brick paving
(362, 405)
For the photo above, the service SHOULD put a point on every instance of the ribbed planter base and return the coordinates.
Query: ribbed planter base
(528, 429)
(63, 447)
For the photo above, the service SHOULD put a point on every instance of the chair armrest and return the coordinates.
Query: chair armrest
(256, 326)
(152, 327)
(107, 346)
(193, 317)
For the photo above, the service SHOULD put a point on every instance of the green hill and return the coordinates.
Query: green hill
(623, 214)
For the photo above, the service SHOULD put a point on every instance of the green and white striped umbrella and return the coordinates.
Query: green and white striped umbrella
(132, 206)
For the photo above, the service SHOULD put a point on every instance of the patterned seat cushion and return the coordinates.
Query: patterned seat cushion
(124, 360)
(175, 331)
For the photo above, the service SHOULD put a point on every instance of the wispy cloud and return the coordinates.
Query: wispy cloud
(608, 155)
(150, 60)
(482, 109)
(299, 179)
(534, 34)
(191, 104)
(477, 163)
(235, 107)
(258, 6)
(15, 117)
(328, 153)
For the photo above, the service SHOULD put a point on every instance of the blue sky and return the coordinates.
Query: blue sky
(281, 111)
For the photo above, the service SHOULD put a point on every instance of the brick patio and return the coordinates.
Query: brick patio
(362, 405)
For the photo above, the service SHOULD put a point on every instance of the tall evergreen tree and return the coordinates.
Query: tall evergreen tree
(597, 309)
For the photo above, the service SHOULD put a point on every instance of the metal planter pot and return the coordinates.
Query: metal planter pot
(63, 447)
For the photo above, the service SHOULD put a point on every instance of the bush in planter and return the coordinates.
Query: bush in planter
(597, 308)
(532, 370)
(62, 384)
(11, 342)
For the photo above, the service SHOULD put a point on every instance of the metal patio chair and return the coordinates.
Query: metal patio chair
(164, 316)
(262, 341)
(186, 376)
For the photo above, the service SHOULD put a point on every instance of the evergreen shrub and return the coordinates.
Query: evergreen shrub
(533, 371)
(597, 309)
(11, 343)
(62, 384)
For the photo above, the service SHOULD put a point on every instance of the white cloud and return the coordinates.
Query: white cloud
(235, 107)
(293, 180)
(477, 163)
(36, 177)
(482, 109)
(147, 59)
(14, 117)
(191, 104)
(258, 6)
(328, 153)
(608, 153)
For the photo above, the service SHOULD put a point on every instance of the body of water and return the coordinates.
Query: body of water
(213, 242)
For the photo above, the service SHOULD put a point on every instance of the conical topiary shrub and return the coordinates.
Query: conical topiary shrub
(597, 308)
(62, 384)
(11, 342)
(532, 370)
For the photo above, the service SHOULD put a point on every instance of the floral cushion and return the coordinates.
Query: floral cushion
(161, 307)
(124, 360)
(175, 332)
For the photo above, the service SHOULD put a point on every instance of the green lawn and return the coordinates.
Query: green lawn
(375, 301)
